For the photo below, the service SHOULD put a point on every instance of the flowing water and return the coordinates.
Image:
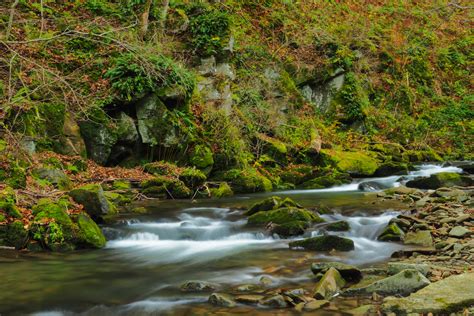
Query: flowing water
(148, 257)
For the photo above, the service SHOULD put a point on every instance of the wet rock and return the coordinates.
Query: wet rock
(348, 272)
(266, 281)
(271, 203)
(324, 243)
(391, 168)
(371, 186)
(391, 233)
(249, 299)
(467, 168)
(362, 310)
(438, 180)
(93, 198)
(198, 286)
(401, 190)
(314, 305)
(442, 297)
(459, 232)
(330, 284)
(420, 238)
(248, 288)
(89, 235)
(402, 283)
(276, 301)
(341, 226)
(396, 267)
(222, 300)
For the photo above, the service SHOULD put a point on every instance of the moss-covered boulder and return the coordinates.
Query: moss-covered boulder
(171, 186)
(271, 203)
(222, 190)
(13, 174)
(331, 179)
(192, 177)
(356, 163)
(89, 234)
(247, 180)
(330, 284)
(8, 203)
(117, 199)
(391, 168)
(428, 155)
(273, 147)
(94, 200)
(13, 235)
(56, 177)
(202, 158)
(391, 233)
(324, 243)
(438, 180)
(340, 226)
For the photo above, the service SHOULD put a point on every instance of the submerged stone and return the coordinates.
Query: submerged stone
(198, 286)
(222, 300)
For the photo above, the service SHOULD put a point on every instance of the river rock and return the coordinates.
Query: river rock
(340, 226)
(271, 203)
(275, 301)
(93, 198)
(420, 238)
(324, 243)
(314, 305)
(396, 267)
(402, 283)
(438, 180)
(330, 284)
(348, 272)
(249, 299)
(391, 233)
(371, 186)
(391, 168)
(198, 286)
(221, 299)
(440, 298)
(401, 190)
(459, 232)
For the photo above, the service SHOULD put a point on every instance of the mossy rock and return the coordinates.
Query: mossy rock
(224, 190)
(14, 235)
(273, 147)
(117, 199)
(121, 185)
(56, 177)
(14, 175)
(284, 215)
(356, 163)
(293, 228)
(438, 180)
(333, 179)
(392, 150)
(192, 177)
(8, 203)
(89, 234)
(162, 168)
(324, 243)
(340, 226)
(391, 168)
(428, 155)
(391, 233)
(271, 203)
(247, 181)
(201, 157)
(173, 187)
(92, 197)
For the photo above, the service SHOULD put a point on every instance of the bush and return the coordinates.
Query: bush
(209, 32)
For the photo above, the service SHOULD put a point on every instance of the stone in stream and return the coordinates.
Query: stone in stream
(324, 243)
(396, 267)
(314, 305)
(249, 298)
(198, 286)
(391, 233)
(438, 180)
(441, 298)
(222, 300)
(348, 272)
(420, 238)
(341, 226)
(94, 200)
(402, 283)
(459, 232)
(371, 186)
(271, 203)
(275, 301)
(330, 284)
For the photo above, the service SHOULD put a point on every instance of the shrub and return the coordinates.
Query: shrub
(209, 31)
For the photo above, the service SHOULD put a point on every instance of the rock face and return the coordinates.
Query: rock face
(329, 285)
(443, 179)
(348, 272)
(402, 283)
(324, 243)
(443, 297)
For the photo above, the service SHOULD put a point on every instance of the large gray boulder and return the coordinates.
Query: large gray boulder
(402, 283)
(440, 298)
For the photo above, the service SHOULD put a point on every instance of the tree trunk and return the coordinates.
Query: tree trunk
(144, 19)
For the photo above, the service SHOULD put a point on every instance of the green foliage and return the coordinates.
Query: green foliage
(209, 31)
(352, 98)
(132, 77)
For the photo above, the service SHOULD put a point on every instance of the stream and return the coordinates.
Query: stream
(149, 256)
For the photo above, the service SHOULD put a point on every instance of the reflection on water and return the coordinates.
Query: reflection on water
(148, 257)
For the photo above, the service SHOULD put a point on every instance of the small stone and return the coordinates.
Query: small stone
(249, 299)
(220, 299)
(198, 286)
(459, 232)
(314, 305)
(276, 301)
(463, 218)
(264, 280)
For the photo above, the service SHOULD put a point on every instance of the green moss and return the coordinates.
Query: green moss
(438, 180)
(271, 203)
(391, 233)
(14, 235)
(273, 147)
(162, 168)
(421, 155)
(192, 177)
(357, 163)
(121, 185)
(8, 201)
(13, 175)
(283, 216)
(201, 157)
(55, 217)
(89, 234)
(324, 243)
(297, 174)
(333, 179)
(92, 197)
(173, 187)
(3, 145)
(224, 190)
(339, 226)
(117, 199)
(247, 181)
